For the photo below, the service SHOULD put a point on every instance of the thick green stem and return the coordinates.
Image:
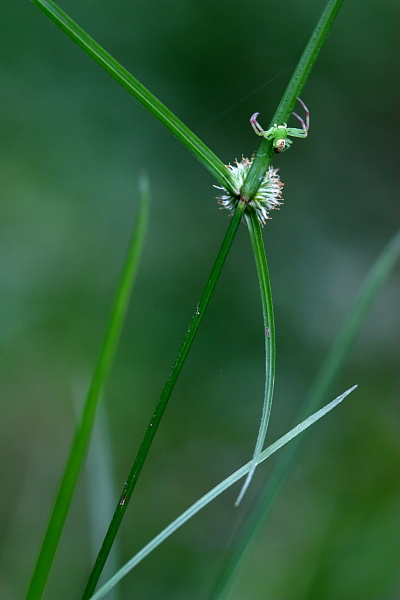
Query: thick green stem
(162, 403)
(297, 82)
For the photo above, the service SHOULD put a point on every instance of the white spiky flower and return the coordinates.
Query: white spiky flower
(268, 196)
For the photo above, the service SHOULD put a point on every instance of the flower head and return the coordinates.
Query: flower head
(268, 196)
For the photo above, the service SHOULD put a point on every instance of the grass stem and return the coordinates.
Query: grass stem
(162, 403)
(263, 158)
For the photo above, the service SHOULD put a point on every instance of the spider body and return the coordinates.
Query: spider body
(280, 133)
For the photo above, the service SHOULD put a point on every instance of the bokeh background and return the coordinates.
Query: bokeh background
(73, 144)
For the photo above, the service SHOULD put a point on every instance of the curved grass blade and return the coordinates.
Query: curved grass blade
(262, 160)
(269, 333)
(83, 432)
(212, 494)
(322, 384)
(141, 93)
(162, 403)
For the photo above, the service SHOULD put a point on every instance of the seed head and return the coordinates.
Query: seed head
(268, 196)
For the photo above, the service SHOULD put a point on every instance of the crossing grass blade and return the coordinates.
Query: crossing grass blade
(141, 93)
(102, 368)
(212, 494)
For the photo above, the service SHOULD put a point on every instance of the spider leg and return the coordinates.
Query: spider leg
(256, 125)
(305, 125)
(300, 133)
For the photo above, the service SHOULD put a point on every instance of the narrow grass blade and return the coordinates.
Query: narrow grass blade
(296, 84)
(269, 333)
(212, 494)
(322, 384)
(83, 432)
(141, 93)
(162, 403)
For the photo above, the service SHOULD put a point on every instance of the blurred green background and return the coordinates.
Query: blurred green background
(73, 144)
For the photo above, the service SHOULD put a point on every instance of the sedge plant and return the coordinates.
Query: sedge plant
(250, 189)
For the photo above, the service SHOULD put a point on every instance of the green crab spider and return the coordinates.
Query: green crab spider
(280, 133)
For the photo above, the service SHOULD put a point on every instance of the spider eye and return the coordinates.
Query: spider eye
(280, 145)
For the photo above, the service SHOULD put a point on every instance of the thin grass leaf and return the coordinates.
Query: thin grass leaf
(141, 93)
(329, 371)
(296, 84)
(83, 432)
(162, 403)
(212, 494)
(269, 334)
